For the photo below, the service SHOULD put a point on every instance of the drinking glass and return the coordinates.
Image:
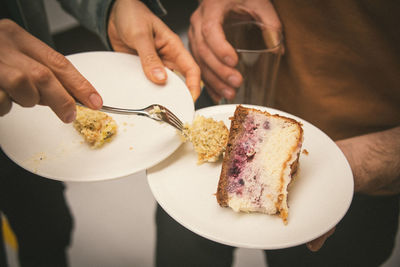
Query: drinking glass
(259, 48)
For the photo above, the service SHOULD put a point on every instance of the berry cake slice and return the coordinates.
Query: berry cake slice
(261, 158)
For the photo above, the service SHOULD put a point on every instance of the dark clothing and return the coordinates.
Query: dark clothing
(36, 207)
(38, 215)
(341, 65)
(179, 247)
(365, 237)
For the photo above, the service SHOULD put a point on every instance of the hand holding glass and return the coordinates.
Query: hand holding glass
(259, 48)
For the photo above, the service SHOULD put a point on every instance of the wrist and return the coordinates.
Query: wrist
(375, 161)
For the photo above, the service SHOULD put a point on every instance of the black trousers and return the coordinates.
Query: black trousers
(38, 214)
(365, 237)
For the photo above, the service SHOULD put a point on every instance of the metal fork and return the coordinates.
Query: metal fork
(155, 111)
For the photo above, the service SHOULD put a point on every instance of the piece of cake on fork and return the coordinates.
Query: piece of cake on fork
(260, 161)
(95, 126)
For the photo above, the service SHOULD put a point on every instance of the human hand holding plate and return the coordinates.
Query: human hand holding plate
(134, 29)
(38, 141)
(36, 74)
(324, 188)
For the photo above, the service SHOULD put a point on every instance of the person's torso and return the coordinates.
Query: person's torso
(341, 68)
(29, 14)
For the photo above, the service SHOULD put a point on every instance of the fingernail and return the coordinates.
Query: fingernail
(234, 80)
(229, 61)
(96, 101)
(70, 117)
(159, 74)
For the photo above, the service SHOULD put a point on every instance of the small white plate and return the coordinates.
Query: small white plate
(38, 141)
(318, 198)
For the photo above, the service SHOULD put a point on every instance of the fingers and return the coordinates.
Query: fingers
(216, 57)
(15, 83)
(156, 45)
(215, 83)
(69, 78)
(166, 48)
(73, 81)
(33, 73)
(143, 42)
(317, 244)
(212, 17)
(180, 59)
(184, 64)
(269, 17)
(215, 96)
(175, 57)
(212, 78)
(265, 12)
(5, 103)
(151, 63)
(229, 75)
(192, 74)
(33, 83)
(130, 30)
(52, 92)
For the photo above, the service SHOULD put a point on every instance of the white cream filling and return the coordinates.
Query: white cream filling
(261, 194)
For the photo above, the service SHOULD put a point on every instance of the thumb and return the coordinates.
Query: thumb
(153, 68)
(5, 103)
(151, 63)
(317, 243)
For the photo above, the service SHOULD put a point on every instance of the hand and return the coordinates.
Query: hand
(215, 56)
(375, 162)
(134, 29)
(32, 73)
(317, 243)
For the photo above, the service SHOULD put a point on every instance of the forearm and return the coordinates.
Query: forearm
(375, 161)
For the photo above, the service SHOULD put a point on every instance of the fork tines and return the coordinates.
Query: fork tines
(172, 118)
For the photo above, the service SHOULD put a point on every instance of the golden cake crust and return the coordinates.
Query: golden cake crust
(236, 127)
(237, 122)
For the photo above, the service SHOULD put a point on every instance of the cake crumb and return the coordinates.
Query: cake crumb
(208, 136)
(95, 126)
(305, 152)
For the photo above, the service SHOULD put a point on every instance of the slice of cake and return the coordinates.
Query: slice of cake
(261, 158)
(208, 136)
(95, 126)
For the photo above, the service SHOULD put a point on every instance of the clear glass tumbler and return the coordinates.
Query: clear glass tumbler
(259, 48)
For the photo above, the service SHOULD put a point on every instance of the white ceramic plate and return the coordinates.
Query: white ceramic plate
(38, 141)
(318, 199)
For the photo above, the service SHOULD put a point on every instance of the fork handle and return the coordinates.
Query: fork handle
(117, 110)
(123, 111)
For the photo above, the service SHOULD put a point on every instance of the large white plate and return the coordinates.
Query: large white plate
(318, 198)
(38, 141)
